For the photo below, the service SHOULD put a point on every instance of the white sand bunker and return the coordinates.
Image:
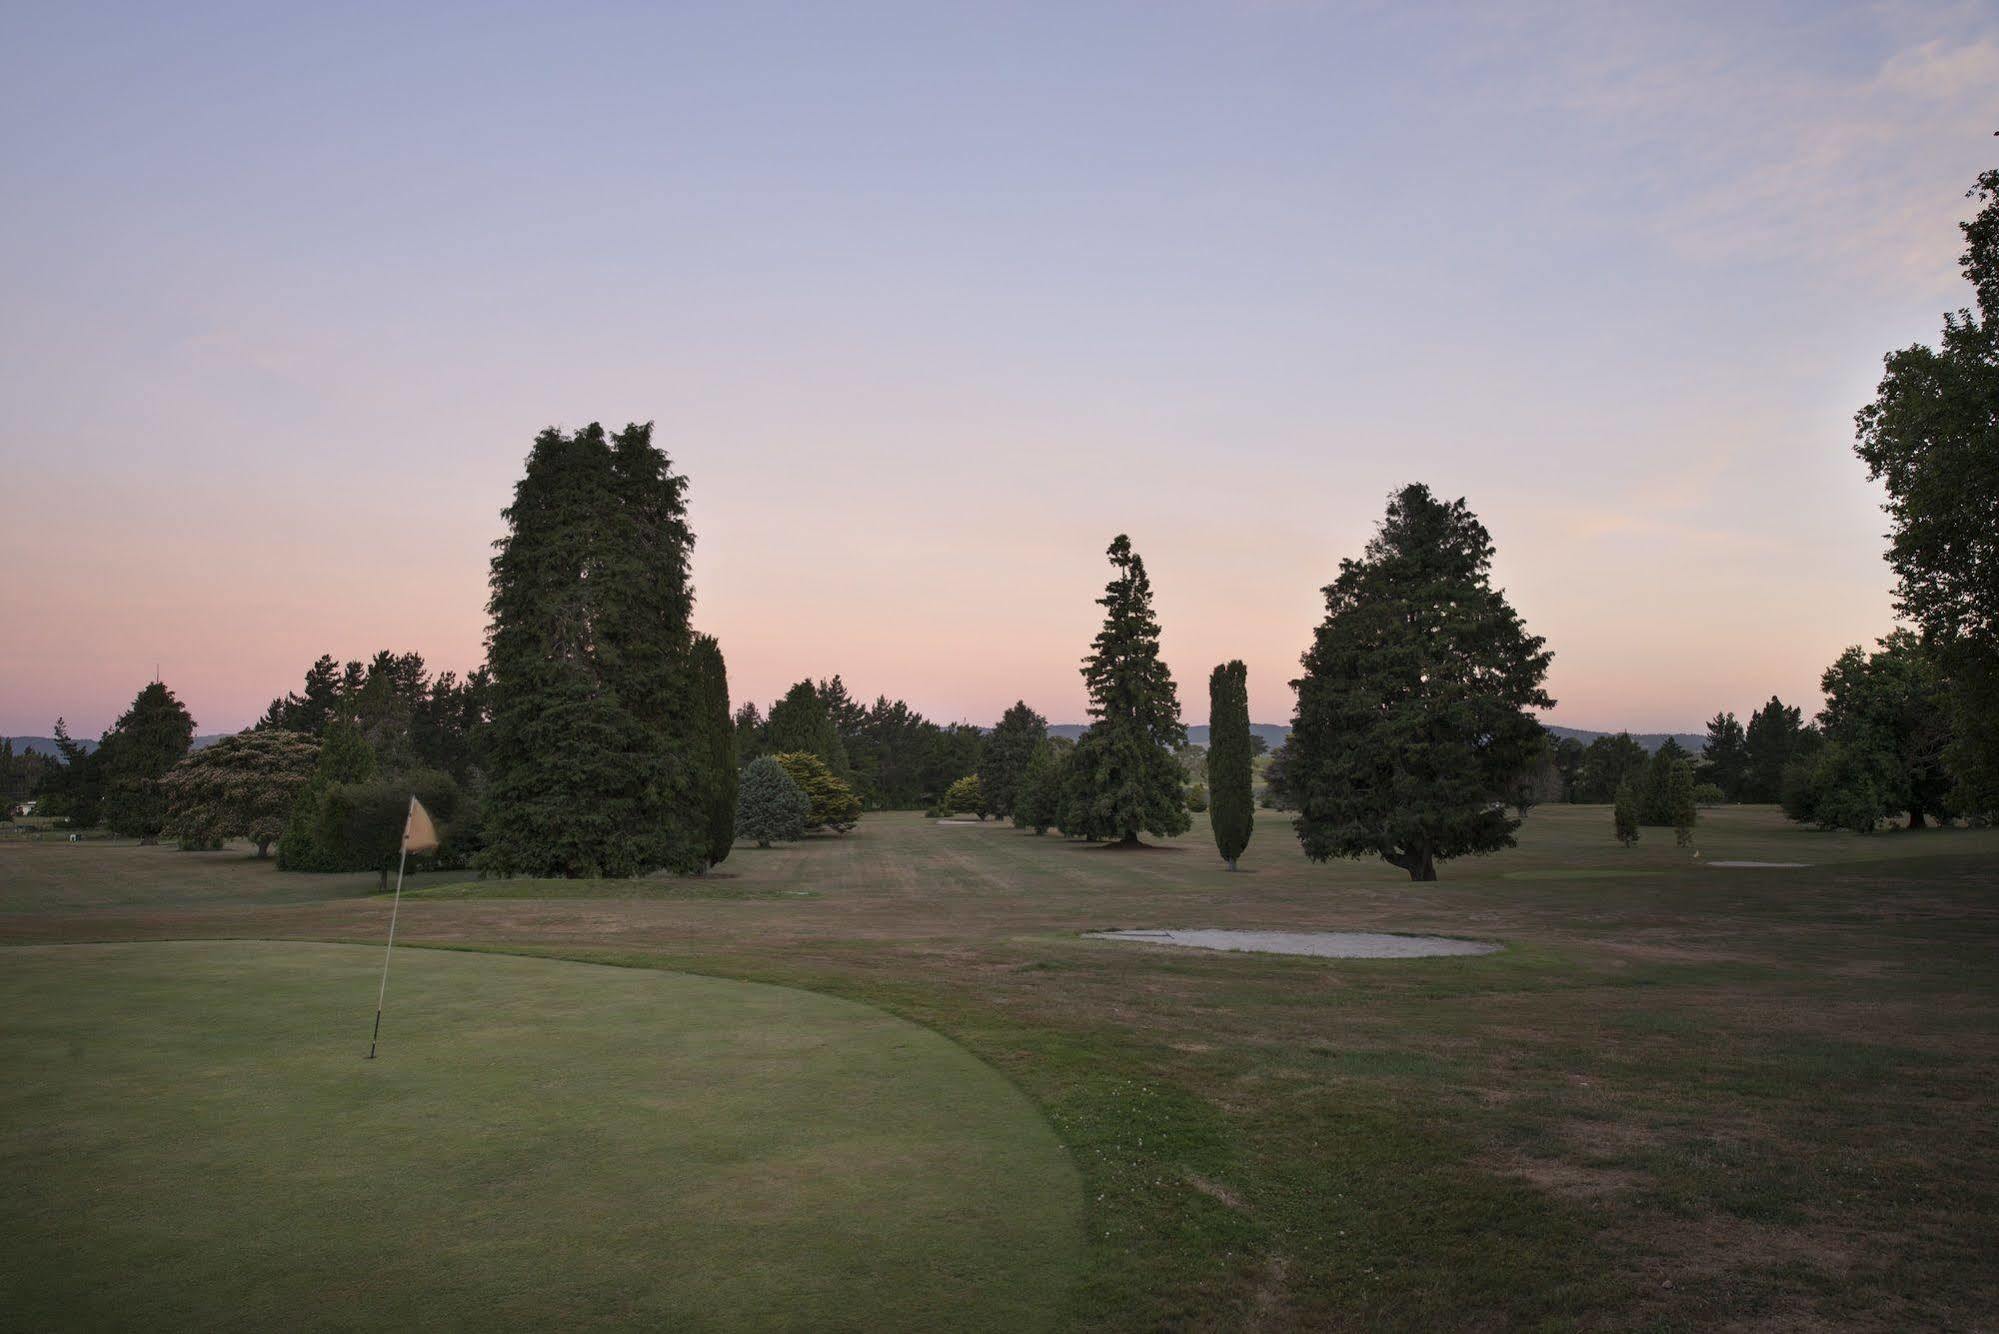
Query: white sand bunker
(1318, 944)
(1773, 866)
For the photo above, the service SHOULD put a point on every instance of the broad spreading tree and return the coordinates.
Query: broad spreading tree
(1231, 795)
(1932, 436)
(147, 740)
(1413, 711)
(770, 806)
(594, 755)
(718, 743)
(966, 796)
(1009, 748)
(243, 786)
(1887, 727)
(1125, 779)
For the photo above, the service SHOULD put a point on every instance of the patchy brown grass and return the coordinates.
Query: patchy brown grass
(1694, 1098)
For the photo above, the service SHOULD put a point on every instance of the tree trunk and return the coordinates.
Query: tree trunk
(1418, 863)
(1130, 840)
(385, 879)
(1232, 865)
(1916, 818)
(263, 849)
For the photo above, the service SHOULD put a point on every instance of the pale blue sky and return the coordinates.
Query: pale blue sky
(931, 300)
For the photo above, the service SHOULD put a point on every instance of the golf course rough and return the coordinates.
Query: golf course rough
(190, 1137)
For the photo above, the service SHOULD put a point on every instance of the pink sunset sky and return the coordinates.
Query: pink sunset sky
(929, 302)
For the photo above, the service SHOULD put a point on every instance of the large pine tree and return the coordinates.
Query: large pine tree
(593, 750)
(1412, 721)
(150, 738)
(1127, 778)
(1231, 799)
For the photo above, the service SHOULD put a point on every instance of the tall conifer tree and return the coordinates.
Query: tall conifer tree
(1127, 777)
(593, 752)
(1231, 799)
(718, 739)
(150, 738)
(1413, 723)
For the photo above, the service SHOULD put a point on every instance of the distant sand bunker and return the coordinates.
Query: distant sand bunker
(1318, 944)
(1773, 866)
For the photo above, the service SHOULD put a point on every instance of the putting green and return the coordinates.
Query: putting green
(190, 1138)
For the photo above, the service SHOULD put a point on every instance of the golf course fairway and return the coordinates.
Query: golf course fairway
(190, 1137)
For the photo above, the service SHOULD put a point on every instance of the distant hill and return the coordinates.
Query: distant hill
(47, 744)
(1693, 741)
(1274, 734)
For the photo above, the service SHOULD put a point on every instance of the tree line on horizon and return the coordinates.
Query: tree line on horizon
(599, 739)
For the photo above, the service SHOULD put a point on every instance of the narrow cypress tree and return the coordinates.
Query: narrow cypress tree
(1231, 800)
(718, 731)
(1128, 778)
(593, 755)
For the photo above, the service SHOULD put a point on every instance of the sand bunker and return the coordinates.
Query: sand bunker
(1318, 944)
(1777, 866)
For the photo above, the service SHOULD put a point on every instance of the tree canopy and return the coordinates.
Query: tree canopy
(1007, 751)
(243, 786)
(1412, 723)
(595, 759)
(1932, 436)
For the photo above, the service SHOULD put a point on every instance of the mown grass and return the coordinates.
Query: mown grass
(1684, 1096)
(192, 1139)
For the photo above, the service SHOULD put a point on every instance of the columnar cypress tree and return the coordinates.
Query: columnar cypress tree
(1128, 778)
(718, 734)
(1231, 798)
(1412, 724)
(1004, 764)
(593, 753)
(147, 740)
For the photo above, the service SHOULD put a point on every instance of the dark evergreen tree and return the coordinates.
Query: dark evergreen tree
(799, 724)
(150, 738)
(1769, 742)
(1231, 800)
(1038, 804)
(1130, 781)
(719, 780)
(1008, 749)
(343, 758)
(1726, 755)
(1413, 723)
(1606, 763)
(593, 754)
(1624, 812)
(751, 742)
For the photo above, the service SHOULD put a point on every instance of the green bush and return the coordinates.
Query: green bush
(770, 805)
(967, 795)
(833, 804)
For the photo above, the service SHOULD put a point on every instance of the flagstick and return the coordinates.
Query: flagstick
(383, 994)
